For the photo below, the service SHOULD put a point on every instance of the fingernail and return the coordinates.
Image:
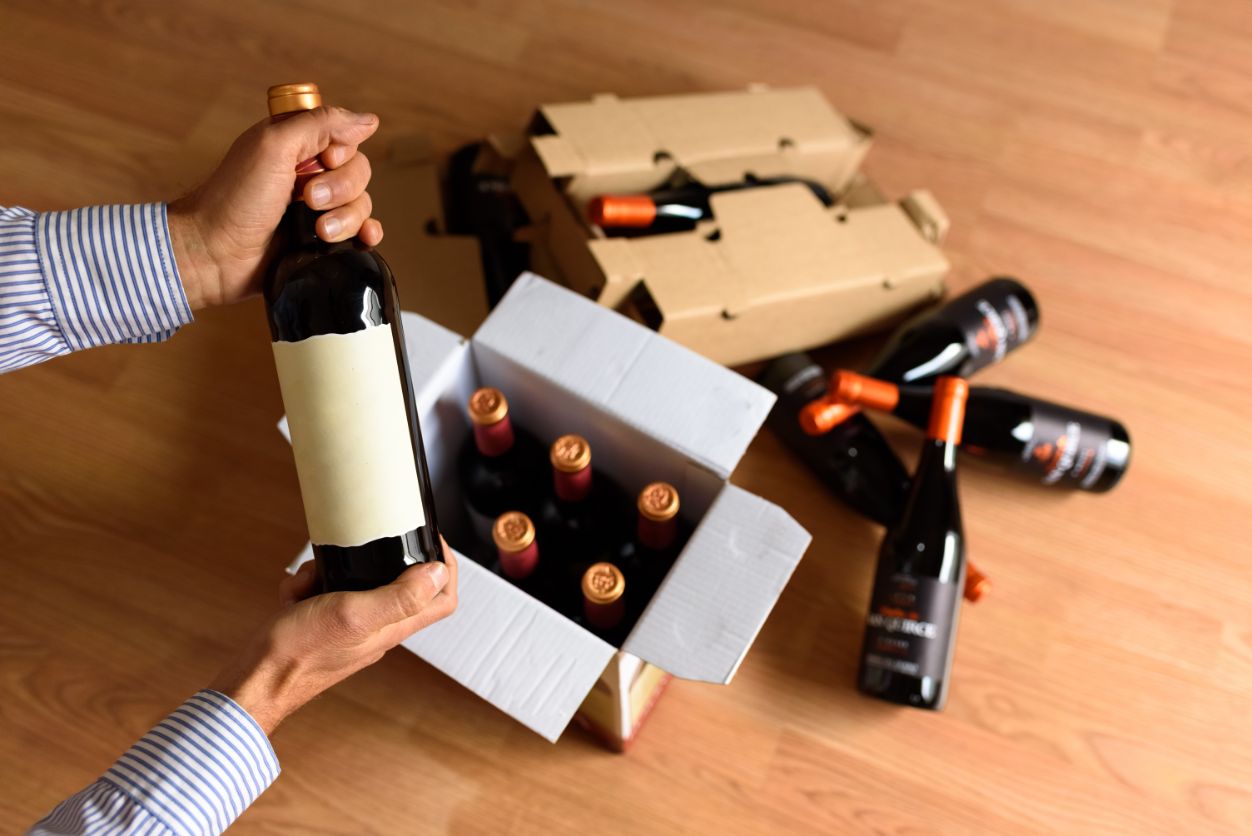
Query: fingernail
(320, 194)
(331, 226)
(438, 573)
(367, 118)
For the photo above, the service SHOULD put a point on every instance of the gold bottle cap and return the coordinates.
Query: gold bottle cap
(658, 501)
(603, 583)
(292, 98)
(570, 453)
(488, 406)
(513, 531)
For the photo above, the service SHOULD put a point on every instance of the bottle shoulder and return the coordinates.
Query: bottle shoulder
(341, 290)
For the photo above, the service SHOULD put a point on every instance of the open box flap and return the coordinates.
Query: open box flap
(536, 665)
(715, 599)
(706, 412)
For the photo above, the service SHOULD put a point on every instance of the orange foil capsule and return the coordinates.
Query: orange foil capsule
(823, 415)
(622, 210)
(852, 388)
(977, 585)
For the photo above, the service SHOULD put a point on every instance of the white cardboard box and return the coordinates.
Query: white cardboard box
(651, 410)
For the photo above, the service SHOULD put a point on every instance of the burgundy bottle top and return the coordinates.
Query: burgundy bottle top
(514, 536)
(571, 467)
(493, 429)
(658, 515)
(286, 100)
(604, 588)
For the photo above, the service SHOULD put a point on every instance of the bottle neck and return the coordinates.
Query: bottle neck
(604, 616)
(299, 225)
(913, 404)
(520, 564)
(494, 439)
(656, 535)
(572, 487)
(937, 455)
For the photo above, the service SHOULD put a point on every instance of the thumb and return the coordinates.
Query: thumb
(310, 133)
(299, 586)
(403, 598)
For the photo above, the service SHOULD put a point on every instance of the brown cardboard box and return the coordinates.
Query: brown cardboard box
(437, 275)
(775, 270)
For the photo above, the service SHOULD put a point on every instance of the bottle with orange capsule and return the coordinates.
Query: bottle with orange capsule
(854, 461)
(1054, 445)
(910, 631)
(676, 209)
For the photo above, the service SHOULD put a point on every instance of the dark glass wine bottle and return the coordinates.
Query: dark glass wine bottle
(676, 209)
(339, 349)
(1052, 444)
(961, 336)
(910, 632)
(517, 555)
(604, 602)
(659, 537)
(582, 519)
(854, 460)
(499, 465)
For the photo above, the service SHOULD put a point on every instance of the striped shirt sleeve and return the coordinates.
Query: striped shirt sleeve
(193, 774)
(83, 278)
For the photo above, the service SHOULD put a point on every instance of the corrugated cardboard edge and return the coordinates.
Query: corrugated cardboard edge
(733, 570)
(558, 660)
(523, 647)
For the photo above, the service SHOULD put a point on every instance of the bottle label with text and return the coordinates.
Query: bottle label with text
(350, 436)
(994, 326)
(1065, 445)
(910, 625)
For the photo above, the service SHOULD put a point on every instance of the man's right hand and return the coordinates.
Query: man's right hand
(314, 643)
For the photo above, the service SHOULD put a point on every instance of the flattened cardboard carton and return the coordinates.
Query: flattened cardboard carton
(774, 270)
(651, 410)
(438, 275)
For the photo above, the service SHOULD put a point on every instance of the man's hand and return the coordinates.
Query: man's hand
(315, 643)
(222, 233)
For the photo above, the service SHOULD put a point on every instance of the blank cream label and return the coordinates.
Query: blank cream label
(350, 436)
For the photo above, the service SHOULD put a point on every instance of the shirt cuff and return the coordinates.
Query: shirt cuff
(200, 768)
(111, 274)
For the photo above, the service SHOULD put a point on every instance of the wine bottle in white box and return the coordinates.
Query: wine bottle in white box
(334, 318)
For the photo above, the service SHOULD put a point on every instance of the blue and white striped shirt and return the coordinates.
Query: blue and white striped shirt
(195, 773)
(74, 280)
(83, 278)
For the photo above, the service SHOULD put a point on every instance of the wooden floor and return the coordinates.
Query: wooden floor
(1099, 149)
